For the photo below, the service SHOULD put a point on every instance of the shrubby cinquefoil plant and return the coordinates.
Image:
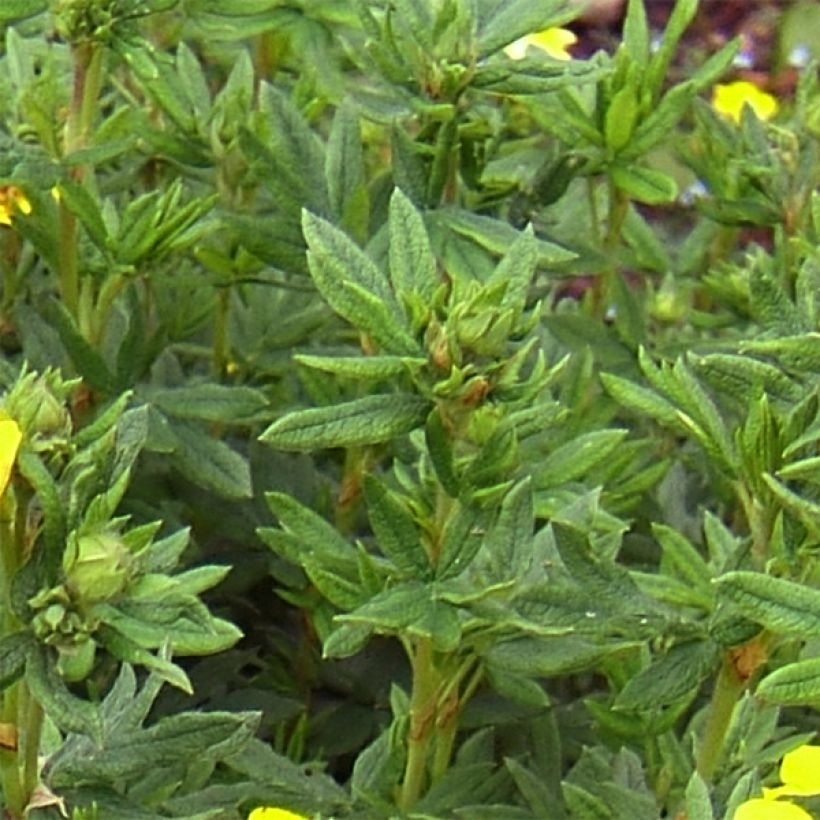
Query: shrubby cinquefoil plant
(403, 415)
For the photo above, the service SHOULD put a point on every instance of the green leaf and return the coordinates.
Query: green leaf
(68, 712)
(682, 14)
(395, 530)
(621, 116)
(189, 736)
(533, 789)
(796, 684)
(661, 121)
(344, 161)
(14, 649)
(546, 657)
(670, 677)
(346, 640)
(577, 457)
(686, 562)
(781, 606)
(743, 377)
(212, 402)
(497, 236)
(185, 635)
(210, 463)
(807, 511)
(517, 268)
(412, 264)
(368, 368)
(296, 151)
(410, 608)
(636, 32)
(461, 539)
(82, 204)
(440, 449)
(644, 184)
(312, 531)
(33, 469)
(518, 688)
(800, 352)
(87, 359)
(354, 287)
(129, 652)
(698, 801)
(509, 543)
(370, 420)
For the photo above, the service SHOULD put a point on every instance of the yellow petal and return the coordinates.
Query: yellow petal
(760, 809)
(800, 771)
(270, 813)
(730, 98)
(552, 41)
(10, 438)
(5, 214)
(20, 200)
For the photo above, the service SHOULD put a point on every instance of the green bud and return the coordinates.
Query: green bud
(97, 566)
(83, 20)
(76, 661)
(38, 403)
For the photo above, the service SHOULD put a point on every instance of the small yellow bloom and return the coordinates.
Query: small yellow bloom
(12, 199)
(730, 98)
(762, 809)
(269, 813)
(554, 42)
(10, 438)
(800, 773)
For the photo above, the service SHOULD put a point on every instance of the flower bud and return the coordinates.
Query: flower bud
(37, 402)
(97, 566)
(76, 661)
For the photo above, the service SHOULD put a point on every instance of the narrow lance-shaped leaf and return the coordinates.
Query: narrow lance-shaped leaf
(509, 543)
(795, 684)
(412, 265)
(577, 457)
(70, 713)
(370, 420)
(781, 606)
(395, 530)
(461, 539)
(354, 287)
(669, 677)
(344, 162)
(211, 463)
(308, 526)
(517, 268)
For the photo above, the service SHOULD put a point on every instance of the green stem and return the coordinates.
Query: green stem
(88, 63)
(422, 718)
(728, 689)
(618, 208)
(221, 340)
(109, 291)
(10, 775)
(34, 731)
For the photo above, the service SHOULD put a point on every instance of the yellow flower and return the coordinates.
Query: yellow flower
(12, 199)
(800, 773)
(269, 813)
(552, 41)
(730, 98)
(10, 438)
(762, 809)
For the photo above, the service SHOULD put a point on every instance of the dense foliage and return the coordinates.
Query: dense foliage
(458, 399)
